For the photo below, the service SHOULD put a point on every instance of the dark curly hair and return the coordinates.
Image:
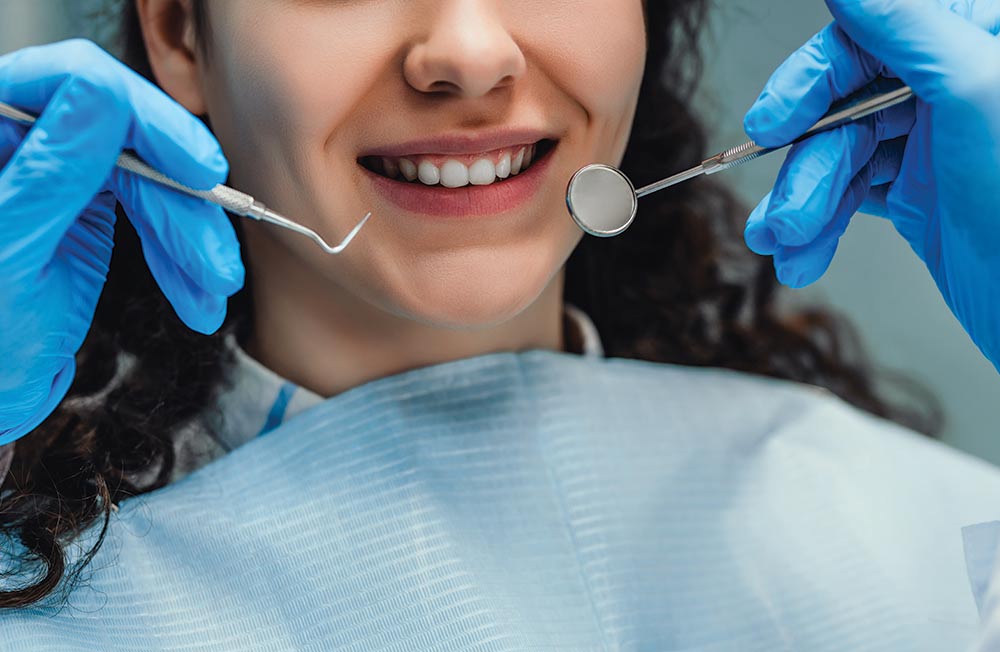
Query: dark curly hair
(678, 288)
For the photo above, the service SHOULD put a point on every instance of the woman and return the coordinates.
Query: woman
(449, 463)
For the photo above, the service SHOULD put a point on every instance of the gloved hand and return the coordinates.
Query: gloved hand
(57, 200)
(931, 167)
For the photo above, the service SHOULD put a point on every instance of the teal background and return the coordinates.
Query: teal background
(875, 279)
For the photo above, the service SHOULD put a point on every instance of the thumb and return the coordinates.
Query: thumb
(929, 46)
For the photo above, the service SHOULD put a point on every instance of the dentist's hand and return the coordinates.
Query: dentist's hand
(932, 168)
(58, 188)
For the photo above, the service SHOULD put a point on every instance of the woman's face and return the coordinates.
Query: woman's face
(312, 100)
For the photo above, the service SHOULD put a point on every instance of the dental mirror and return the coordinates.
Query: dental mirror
(602, 200)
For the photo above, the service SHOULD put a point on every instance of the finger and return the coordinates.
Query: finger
(800, 266)
(46, 184)
(86, 249)
(200, 310)
(817, 172)
(163, 132)
(830, 66)
(181, 242)
(906, 195)
(884, 169)
(757, 236)
(887, 161)
(39, 397)
(812, 181)
(928, 45)
(196, 235)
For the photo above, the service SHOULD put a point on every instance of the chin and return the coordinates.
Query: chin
(462, 285)
(478, 299)
(469, 307)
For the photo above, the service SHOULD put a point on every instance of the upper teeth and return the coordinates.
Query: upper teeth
(455, 174)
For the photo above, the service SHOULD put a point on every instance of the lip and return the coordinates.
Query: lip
(460, 144)
(469, 201)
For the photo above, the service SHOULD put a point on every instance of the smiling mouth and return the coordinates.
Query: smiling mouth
(489, 168)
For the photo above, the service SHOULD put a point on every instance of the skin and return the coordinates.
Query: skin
(297, 90)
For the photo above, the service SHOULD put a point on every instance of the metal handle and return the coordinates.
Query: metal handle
(849, 110)
(228, 198)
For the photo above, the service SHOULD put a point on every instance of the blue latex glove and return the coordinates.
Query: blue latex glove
(932, 166)
(57, 198)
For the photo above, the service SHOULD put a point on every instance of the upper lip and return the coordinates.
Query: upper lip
(458, 144)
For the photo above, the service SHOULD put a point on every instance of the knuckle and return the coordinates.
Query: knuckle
(90, 66)
(103, 91)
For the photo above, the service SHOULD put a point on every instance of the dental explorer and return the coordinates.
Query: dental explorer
(228, 198)
(603, 201)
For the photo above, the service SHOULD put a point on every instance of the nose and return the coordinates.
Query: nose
(466, 50)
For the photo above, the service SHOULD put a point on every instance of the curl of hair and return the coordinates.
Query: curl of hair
(679, 287)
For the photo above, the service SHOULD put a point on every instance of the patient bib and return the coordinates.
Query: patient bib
(544, 501)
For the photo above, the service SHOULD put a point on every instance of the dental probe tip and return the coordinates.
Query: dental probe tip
(354, 232)
(276, 218)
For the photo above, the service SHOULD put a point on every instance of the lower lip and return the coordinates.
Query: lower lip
(469, 201)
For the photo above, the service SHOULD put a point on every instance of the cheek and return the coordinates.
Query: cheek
(594, 49)
(285, 95)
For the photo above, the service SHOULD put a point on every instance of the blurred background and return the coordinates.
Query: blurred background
(875, 279)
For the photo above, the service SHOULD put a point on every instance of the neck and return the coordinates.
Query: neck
(322, 337)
